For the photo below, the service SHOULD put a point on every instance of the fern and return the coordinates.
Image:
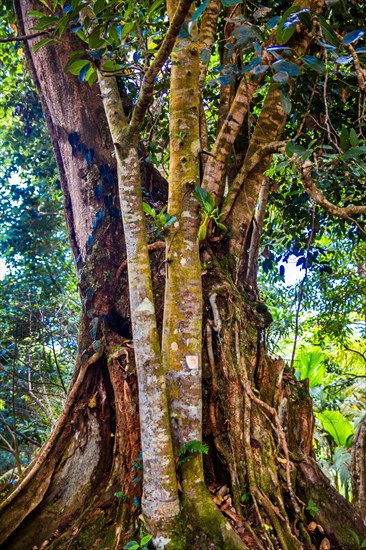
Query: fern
(191, 447)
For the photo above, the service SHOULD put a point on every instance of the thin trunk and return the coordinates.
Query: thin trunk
(258, 221)
(160, 502)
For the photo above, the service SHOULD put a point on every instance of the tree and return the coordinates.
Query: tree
(39, 304)
(197, 361)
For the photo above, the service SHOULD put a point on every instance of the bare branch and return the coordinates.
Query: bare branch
(318, 197)
(24, 37)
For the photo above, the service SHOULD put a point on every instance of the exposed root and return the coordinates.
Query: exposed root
(279, 520)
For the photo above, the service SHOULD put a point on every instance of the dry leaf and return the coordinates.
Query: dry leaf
(325, 544)
(223, 491)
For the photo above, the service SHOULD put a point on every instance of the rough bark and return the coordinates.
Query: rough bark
(358, 469)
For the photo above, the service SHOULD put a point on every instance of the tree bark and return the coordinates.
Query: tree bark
(358, 469)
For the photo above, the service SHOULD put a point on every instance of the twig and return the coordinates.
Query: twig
(23, 38)
(157, 245)
(318, 197)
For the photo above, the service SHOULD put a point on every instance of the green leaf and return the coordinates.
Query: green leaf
(305, 18)
(353, 137)
(328, 32)
(77, 66)
(94, 40)
(341, 463)
(127, 28)
(284, 33)
(286, 66)
(344, 138)
(194, 446)
(91, 76)
(294, 149)
(145, 540)
(311, 508)
(354, 152)
(43, 42)
(37, 14)
(148, 210)
(132, 545)
(310, 364)
(99, 6)
(121, 495)
(281, 165)
(45, 22)
(45, 3)
(205, 199)
(286, 102)
(314, 63)
(202, 232)
(355, 537)
(337, 426)
(154, 8)
(221, 226)
(111, 67)
(62, 25)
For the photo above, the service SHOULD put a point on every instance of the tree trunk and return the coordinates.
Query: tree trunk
(257, 420)
(358, 469)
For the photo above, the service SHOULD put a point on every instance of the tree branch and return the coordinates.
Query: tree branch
(253, 161)
(24, 37)
(318, 197)
(156, 66)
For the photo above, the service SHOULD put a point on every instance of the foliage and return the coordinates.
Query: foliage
(311, 508)
(337, 427)
(208, 212)
(190, 448)
(161, 220)
(121, 496)
(133, 545)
